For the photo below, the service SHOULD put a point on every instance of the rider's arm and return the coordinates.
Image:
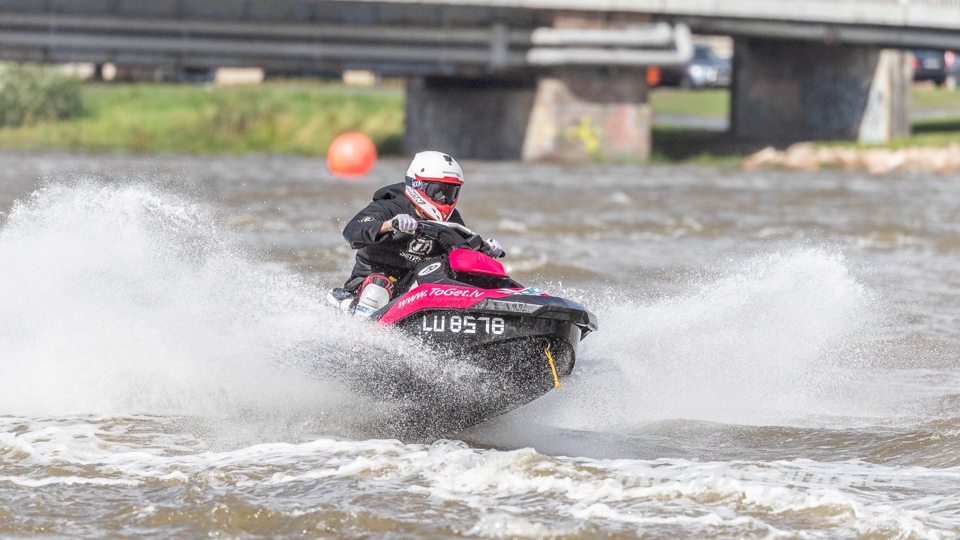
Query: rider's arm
(369, 226)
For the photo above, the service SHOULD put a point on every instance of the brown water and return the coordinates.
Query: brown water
(777, 356)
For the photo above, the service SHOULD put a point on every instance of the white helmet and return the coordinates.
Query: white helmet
(433, 184)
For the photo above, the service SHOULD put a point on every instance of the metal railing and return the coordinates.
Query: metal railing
(158, 41)
(649, 45)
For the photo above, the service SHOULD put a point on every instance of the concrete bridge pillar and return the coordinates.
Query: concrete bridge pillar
(791, 91)
(556, 113)
(470, 118)
(590, 114)
(568, 114)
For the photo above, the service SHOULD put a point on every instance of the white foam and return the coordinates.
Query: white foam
(67, 481)
(504, 525)
(515, 493)
(126, 300)
(755, 346)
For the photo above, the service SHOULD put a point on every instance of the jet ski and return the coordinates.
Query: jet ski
(464, 307)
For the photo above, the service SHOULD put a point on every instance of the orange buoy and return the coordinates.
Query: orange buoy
(351, 155)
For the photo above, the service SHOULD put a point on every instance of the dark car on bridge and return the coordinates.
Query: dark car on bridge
(704, 70)
(938, 66)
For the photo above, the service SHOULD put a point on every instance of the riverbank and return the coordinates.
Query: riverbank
(303, 117)
(935, 126)
(291, 118)
(809, 157)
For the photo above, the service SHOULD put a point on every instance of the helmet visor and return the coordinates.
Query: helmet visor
(442, 193)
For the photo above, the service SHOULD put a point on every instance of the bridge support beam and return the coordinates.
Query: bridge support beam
(790, 91)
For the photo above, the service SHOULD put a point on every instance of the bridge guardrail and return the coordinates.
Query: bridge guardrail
(400, 49)
(567, 46)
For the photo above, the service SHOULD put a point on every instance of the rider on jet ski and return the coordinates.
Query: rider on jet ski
(384, 231)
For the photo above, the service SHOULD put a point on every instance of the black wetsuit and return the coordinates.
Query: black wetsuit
(393, 253)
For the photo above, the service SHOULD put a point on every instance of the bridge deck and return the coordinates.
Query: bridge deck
(906, 13)
(420, 36)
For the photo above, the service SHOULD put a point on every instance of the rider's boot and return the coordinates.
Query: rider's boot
(375, 293)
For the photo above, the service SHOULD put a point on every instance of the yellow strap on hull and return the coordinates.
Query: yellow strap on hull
(553, 367)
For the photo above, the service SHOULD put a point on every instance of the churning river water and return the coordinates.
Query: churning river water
(778, 356)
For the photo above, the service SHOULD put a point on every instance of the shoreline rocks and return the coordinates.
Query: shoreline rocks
(807, 156)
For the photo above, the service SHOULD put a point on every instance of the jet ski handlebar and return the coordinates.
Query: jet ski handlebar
(451, 235)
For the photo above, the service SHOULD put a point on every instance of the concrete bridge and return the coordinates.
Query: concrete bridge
(532, 79)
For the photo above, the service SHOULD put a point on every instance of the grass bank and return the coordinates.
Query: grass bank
(715, 102)
(932, 98)
(708, 103)
(281, 118)
(937, 110)
(304, 117)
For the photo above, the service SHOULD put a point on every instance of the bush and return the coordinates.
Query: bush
(31, 94)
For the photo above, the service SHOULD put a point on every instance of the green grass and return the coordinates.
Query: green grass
(715, 102)
(281, 118)
(712, 103)
(935, 133)
(935, 98)
(680, 145)
(304, 117)
(673, 145)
